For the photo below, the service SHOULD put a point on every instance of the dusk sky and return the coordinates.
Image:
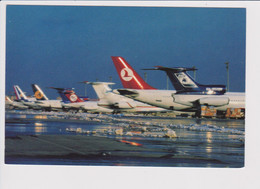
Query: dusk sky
(59, 46)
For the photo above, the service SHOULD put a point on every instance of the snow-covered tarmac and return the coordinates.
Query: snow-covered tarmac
(219, 142)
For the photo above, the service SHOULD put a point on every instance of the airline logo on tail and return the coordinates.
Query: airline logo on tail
(185, 80)
(73, 98)
(38, 93)
(68, 95)
(128, 76)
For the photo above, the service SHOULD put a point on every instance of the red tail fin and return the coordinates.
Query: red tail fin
(128, 76)
(71, 96)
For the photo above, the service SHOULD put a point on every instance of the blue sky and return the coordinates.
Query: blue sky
(61, 45)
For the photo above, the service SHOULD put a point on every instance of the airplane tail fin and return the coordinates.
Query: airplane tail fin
(38, 93)
(19, 93)
(101, 88)
(68, 95)
(184, 83)
(7, 99)
(128, 76)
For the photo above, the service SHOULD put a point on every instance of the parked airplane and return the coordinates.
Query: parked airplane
(43, 101)
(119, 103)
(179, 99)
(14, 104)
(185, 84)
(189, 91)
(20, 94)
(70, 100)
(21, 97)
(128, 76)
(8, 101)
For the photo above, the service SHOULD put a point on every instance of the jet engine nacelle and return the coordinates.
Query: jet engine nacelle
(124, 105)
(214, 101)
(183, 100)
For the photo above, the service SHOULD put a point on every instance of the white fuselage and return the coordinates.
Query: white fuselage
(168, 99)
(118, 103)
(31, 104)
(17, 105)
(91, 106)
(124, 104)
(52, 104)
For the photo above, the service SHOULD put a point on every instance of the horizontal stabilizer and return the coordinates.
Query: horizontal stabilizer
(175, 69)
(61, 89)
(100, 83)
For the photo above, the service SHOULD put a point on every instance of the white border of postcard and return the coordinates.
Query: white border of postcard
(63, 177)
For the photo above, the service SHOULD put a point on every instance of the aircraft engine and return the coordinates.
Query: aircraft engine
(214, 101)
(124, 105)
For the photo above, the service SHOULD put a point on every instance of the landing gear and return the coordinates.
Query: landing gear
(198, 114)
(73, 111)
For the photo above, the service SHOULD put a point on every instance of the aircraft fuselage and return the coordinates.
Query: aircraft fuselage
(171, 100)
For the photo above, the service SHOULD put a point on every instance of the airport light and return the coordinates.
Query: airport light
(145, 76)
(227, 67)
(194, 73)
(85, 83)
(85, 89)
(167, 82)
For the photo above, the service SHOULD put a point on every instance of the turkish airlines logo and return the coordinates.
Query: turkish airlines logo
(73, 98)
(126, 74)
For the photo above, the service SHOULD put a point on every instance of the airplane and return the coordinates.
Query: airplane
(185, 84)
(21, 97)
(188, 96)
(191, 91)
(128, 76)
(43, 101)
(8, 101)
(70, 100)
(14, 104)
(119, 103)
